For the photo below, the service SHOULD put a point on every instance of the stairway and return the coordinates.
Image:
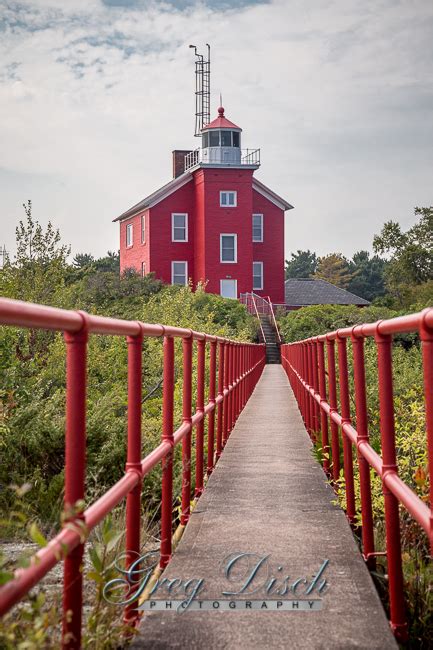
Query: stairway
(271, 340)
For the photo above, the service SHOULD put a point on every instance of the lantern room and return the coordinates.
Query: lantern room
(221, 141)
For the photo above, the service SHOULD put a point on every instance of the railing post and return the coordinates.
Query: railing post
(221, 376)
(345, 419)
(186, 419)
(426, 334)
(75, 468)
(323, 398)
(310, 383)
(226, 403)
(315, 378)
(167, 461)
(239, 378)
(211, 418)
(392, 519)
(332, 382)
(199, 461)
(133, 464)
(362, 437)
(227, 409)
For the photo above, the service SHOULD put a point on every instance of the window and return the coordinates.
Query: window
(226, 138)
(143, 229)
(143, 269)
(179, 273)
(228, 248)
(257, 275)
(257, 227)
(179, 227)
(129, 235)
(214, 138)
(205, 140)
(228, 199)
(236, 139)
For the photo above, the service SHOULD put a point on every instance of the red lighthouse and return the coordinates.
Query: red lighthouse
(213, 222)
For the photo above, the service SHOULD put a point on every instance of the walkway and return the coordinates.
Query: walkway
(269, 496)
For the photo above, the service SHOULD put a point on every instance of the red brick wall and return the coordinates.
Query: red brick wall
(206, 221)
(214, 220)
(271, 250)
(162, 250)
(133, 257)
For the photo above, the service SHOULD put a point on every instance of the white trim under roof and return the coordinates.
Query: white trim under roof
(271, 196)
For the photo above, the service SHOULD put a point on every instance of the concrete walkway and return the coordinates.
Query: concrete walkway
(269, 497)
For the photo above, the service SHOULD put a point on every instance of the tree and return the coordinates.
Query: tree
(368, 279)
(334, 268)
(39, 269)
(411, 252)
(302, 265)
(109, 263)
(82, 260)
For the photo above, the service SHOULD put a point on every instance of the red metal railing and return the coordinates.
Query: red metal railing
(274, 320)
(254, 303)
(235, 366)
(316, 393)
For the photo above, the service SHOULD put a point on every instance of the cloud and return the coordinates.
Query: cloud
(94, 96)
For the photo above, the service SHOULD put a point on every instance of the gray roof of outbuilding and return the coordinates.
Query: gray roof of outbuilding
(300, 292)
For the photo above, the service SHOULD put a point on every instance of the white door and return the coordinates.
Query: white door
(229, 288)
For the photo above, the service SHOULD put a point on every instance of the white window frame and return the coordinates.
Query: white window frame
(229, 234)
(236, 286)
(186, 272)
(258, 214)
(130, 229)
(143, 269)
(182, 214)
(261, 277)
(227, 205)
(143, 228)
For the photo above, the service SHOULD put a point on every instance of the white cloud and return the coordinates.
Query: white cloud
(336, 93)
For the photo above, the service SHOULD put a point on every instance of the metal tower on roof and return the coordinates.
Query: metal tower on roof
(202, 90)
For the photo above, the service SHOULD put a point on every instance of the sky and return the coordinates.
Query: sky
(338, 95)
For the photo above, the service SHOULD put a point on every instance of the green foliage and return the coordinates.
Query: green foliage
(303, 264)
(334, 268)
(319, 319)
(411, 253)
(367, 278)
(38, 272)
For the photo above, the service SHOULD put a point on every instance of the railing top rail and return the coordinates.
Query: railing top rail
(22, 314)
(422, 320)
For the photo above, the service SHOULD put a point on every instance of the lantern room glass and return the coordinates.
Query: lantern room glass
(222, 138)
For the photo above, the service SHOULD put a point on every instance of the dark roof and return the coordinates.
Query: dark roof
(300, 292)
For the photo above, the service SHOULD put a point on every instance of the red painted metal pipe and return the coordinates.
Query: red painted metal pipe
(392, 519)
(362, 436)
(211, 418)
(167, 461)
(186, 441)
(322, 393)
(345, 419)
(133, 464)
(75, 470)
(221, 375)
(199, 461)
(332, 384)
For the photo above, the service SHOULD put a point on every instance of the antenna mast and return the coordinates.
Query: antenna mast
(202, 90)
